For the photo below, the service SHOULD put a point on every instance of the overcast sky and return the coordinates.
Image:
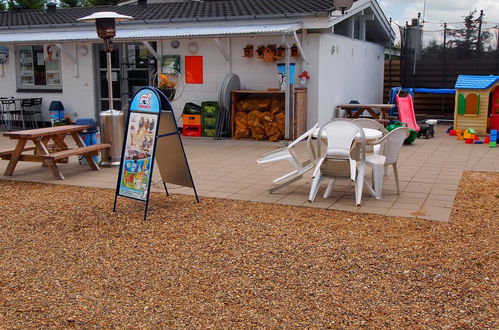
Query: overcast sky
(439, 11)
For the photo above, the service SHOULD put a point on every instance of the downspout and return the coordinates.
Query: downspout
(287, 93)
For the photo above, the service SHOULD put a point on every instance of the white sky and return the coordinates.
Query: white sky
(440, 11)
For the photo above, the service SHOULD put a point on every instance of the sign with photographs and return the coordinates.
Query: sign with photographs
(151, 125)
(137, 161)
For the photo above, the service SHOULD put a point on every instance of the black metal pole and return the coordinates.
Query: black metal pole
(164, 185)
(478, 42)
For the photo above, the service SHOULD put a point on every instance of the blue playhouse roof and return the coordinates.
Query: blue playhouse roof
(475, 82)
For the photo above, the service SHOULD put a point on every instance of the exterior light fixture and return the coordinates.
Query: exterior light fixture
(112, 122)
(343, 5)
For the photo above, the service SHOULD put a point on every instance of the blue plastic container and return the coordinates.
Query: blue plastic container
(89, 137)
(281, 68)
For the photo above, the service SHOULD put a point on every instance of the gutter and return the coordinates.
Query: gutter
(176, 20)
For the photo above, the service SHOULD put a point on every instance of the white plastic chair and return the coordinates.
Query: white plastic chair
(337, 162)
(392, 143)
(374, 124)
(289, 155)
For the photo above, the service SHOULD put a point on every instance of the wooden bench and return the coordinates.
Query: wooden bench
(86, 150)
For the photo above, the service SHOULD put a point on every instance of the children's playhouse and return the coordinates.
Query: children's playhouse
(477, 103)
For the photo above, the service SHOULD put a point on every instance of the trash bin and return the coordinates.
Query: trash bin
(56, 110)
(90, 137)
(112, 127)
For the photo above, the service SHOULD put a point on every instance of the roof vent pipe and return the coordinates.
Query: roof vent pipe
(142, 4)
(51, 7)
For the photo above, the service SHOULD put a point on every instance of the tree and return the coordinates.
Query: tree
(29, 4)
(2, 6)
(102, 2)
(72, 3)
(467, 41)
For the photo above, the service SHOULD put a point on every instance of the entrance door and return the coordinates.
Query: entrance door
(494, 110)
(132, 67)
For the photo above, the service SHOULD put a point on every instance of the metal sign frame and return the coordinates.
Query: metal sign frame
(143, 103)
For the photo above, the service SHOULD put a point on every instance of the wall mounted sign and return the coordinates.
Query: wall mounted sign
(170, 64)
(151, 130)
(194, 69)
(4, 54)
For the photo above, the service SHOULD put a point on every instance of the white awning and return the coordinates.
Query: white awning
(147, 33)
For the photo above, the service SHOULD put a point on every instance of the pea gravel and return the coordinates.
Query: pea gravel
(68, 261)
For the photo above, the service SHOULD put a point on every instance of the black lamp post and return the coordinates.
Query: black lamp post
(105, 23)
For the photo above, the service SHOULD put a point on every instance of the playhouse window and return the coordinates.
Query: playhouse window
(469, 104)
(38, 68)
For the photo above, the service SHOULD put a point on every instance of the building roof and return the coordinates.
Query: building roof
(476, 82)
(175, 12)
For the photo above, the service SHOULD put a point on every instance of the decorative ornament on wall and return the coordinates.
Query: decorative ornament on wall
(175, 44)
(193, 48)
(83, 50)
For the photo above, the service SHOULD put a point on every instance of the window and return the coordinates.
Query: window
(38, 68)
(469, 104)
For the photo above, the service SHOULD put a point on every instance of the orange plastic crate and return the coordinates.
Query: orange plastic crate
(191, 119)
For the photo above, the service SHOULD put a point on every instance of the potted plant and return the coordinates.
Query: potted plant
(167, 86)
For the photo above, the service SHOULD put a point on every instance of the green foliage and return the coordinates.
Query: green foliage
(465, 40)
(72, 3)
(94, 3)
(29, 4)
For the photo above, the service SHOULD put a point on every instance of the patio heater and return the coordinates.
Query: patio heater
(112, 122)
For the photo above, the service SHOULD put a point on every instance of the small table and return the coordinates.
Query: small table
(49, 155)
(367, 107)
(370, 134)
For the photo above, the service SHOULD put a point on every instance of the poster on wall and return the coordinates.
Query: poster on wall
(194, 69)
(50, 53)
(170, 64)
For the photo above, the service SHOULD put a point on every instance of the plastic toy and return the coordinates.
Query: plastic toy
(412, 133)
(406, 111)
(477, 103)
(452, 132)
(469, 134)
(493, 138)
(478, 142)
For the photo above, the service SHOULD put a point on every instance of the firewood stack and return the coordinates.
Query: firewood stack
(260, 119)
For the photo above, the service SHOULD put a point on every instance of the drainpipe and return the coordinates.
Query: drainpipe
(287, 94)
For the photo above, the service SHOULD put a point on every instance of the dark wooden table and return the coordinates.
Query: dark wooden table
(50, 154)
(369, 108)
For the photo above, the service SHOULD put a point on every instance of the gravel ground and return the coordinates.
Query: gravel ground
(68, 261)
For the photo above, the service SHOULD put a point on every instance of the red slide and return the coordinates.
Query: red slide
(406, 111)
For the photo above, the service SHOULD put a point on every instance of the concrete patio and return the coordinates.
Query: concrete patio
(429, 172)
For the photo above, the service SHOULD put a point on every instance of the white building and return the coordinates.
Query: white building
(342, 53)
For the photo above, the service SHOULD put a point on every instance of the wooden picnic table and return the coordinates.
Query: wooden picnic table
(50, 154)
(382, 117)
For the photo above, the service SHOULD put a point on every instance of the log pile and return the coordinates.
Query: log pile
(260, 119)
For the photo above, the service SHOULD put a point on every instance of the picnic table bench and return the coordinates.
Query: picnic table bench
(50, 154)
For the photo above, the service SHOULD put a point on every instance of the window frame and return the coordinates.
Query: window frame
(23, 87)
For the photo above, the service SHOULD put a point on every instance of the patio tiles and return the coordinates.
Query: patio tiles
(429, 174)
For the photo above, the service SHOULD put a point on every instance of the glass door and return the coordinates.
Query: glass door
(102, 94)
(138, 69)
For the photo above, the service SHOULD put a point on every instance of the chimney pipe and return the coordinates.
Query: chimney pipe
(51, 7)
(142, 4)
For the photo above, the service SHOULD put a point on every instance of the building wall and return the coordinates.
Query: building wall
(78, 92)
(354, 71)
(254, 72)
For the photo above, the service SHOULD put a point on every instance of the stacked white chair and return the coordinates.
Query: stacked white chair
(290, 155)
(337, 162)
